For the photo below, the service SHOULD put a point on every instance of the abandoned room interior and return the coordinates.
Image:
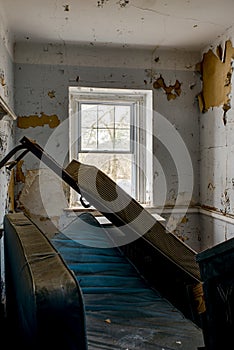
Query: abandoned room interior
(117, 174)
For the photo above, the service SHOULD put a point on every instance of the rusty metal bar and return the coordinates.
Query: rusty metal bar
(31, 146)
(5, 160)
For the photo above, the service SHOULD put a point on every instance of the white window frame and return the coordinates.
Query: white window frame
(142, 136)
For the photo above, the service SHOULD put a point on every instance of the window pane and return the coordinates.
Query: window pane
(122, 139)
(89, 139)
(88, 116)
(106, 139)
(117, 166)
(105, 116)
(122, 116)
(105, 127)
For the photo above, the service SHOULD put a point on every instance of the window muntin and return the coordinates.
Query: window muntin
(105, 127)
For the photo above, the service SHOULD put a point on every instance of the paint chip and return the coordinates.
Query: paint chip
(216, 72)
(51, 94)
(2, 78)
(66, 8)
(24, 122)
(19, 174)
(184, 220)
(101, 3)
(108, 320)
(123, 3)
(172, 91)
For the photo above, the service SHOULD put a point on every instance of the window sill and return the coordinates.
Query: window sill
(103, 220)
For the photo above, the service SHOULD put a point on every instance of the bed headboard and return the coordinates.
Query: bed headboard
(44, 303)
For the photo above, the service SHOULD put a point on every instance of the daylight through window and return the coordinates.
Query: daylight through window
(109, 129)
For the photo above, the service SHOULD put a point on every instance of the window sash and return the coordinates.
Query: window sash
(114, 150)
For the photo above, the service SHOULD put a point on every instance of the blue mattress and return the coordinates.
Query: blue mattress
(122, 310)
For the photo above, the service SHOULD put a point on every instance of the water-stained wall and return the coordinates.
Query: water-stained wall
(43, 74)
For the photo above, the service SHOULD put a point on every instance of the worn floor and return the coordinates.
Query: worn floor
(122, 310)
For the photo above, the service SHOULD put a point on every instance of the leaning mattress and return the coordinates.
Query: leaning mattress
(122, 310)
(131, 217)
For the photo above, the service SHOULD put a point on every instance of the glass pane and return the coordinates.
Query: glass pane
(122, 116)
(117, 166)
(105, 127)
(88, 139)
(106, 139)
(105, 116)
(122, 139)
(88, 116)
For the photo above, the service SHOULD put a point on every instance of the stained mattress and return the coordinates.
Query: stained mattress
(132, 218)
(44, 303)
(122, 310)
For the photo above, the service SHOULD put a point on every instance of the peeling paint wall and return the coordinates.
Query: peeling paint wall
(217, 143)
(6, 127)
(187, 227)
(183, 114)
(6, 143)
(41, 197)
(43, 74)
(216, 74)
(6, 64)
(172, 91)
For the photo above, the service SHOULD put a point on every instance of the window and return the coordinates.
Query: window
(112, 130)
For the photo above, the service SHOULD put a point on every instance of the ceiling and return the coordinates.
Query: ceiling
(186, 24)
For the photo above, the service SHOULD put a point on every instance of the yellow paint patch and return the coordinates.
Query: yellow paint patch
(2, 78)
(216, 71)
(2, 81)
(33, 121)
(198, 294)
(184, 220)
(19, 174)
(172, 91)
